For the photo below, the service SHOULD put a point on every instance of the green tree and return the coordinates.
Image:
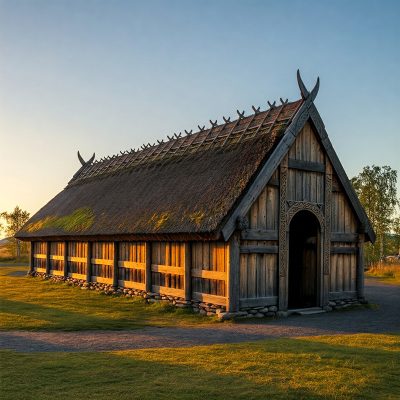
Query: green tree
(15, 221)
(376, 189)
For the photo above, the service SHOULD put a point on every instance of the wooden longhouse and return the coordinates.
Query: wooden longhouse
(255, 213)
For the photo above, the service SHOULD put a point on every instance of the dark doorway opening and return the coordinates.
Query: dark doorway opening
(304, 238)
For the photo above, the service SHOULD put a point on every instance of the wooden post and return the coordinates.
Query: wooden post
(283, 237)
(116, 259)
(188, 275)
(47, 258)
(233, 274)
(148, 267)
(360, 267)
(65, 259)
(89, 262)
(31, 258)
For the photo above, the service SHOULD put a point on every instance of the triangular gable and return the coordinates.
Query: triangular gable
(306, 112)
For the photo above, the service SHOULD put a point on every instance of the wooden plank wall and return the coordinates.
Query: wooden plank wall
(102, 262)
(167, 266)
(259, 248)
(39, 256)
(77, 254)
(343, 273)
(57, 258)
(209, 271)
(306, 185)
(132, 265)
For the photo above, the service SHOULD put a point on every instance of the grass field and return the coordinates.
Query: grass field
(359, 366)
(388, 273)
(35, 304)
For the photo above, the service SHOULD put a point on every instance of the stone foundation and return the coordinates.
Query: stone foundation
(199, 307)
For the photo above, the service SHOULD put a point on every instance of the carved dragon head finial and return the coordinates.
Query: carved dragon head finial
(305, 94)
(83, 162)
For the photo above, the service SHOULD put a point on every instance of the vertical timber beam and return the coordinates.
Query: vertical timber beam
(232, 281)
(31, 258)
(148, 267)
(326, 251)
(89, 262)
(115, 265)
(65, 259)
(360, 267)
(48, 258)
(188, 266)
(283, 236)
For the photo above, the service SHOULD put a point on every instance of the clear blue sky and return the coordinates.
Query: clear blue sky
(105, 76)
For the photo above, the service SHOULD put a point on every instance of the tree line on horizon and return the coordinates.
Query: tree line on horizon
(374, 185)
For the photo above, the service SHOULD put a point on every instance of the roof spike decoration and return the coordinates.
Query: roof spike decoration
(169, 137)
(201, 128)
(214, 124)
(305, 94)
(256, 110)
(241, 114)
(272, 105)
(160, 141)
(188, 133)
(88, 162)
(283, 101)
(178, 136)
(226, 120)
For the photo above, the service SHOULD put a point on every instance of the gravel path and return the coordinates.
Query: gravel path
(383, 318)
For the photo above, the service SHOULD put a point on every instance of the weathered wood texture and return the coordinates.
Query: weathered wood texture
(39, 256)
(77, 259)
(209, 267)
(259, 247)
(57, 256)
(167, 266)
(132, 264)
(306, 183)
(344, 249)
(102, 262)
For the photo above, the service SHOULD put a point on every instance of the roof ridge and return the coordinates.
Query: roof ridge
(220, 135)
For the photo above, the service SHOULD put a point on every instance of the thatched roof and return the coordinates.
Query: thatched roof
(187, 185)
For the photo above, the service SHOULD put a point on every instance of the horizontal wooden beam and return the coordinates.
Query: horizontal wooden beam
(131, 264)
(259, 301)
(273, 182)
(77, 276)
(42, 256)
(259, 249)
(56, 272)
(61, 258)
(101, 261)
(39, 269)
(167, 269)
(132, 284)
(302, 165)
(344, 237)
(209, 298)
(342, 295)
(259, 234)
(100, 279)
(344, 250)
(205, 274)
(168, 291)
(77, 259)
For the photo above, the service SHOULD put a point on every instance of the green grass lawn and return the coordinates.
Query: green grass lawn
(36, 304)
(362, 366)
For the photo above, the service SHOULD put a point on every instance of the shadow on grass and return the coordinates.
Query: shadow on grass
(279, 369)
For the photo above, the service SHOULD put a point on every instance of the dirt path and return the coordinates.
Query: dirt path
(384, 318)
